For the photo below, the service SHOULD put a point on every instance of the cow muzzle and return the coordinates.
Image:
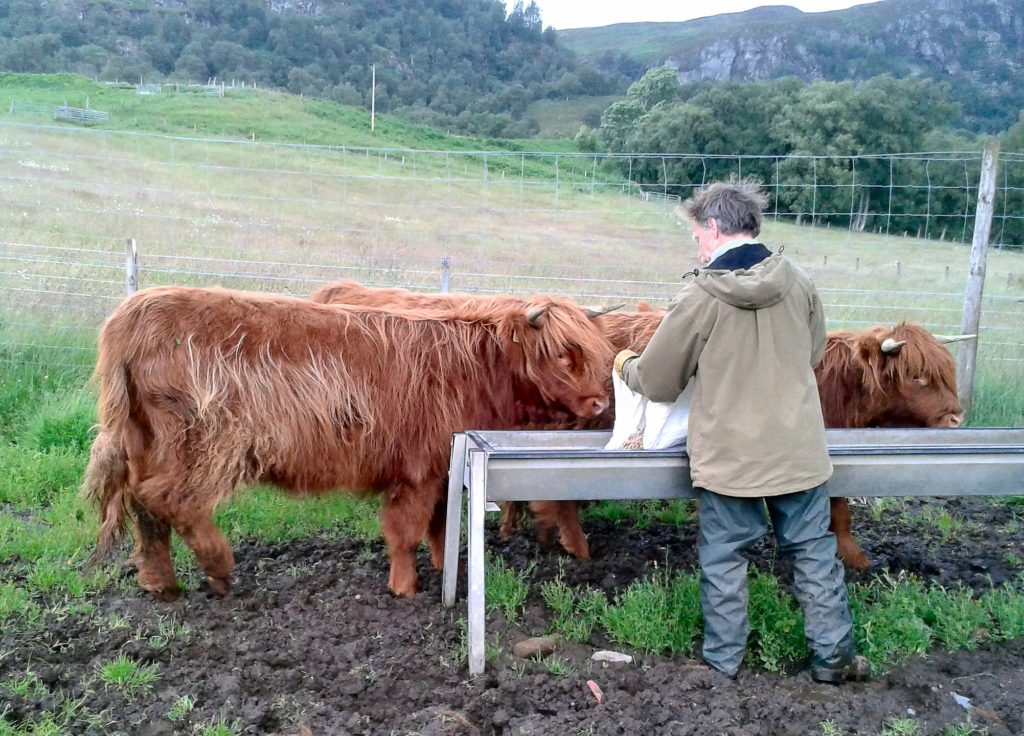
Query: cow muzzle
(590, 407)
(951, 421)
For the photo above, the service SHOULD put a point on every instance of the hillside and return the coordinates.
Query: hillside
(975, 47)
(240, 114)
(460, 64)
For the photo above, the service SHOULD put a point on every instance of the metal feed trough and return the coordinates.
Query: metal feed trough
(549, 465)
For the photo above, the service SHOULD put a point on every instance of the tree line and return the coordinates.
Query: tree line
(464, 65)
(849, 127)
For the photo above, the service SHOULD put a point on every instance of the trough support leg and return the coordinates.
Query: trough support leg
(477, 602)
(453, 524)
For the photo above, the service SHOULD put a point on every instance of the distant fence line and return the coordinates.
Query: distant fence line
(54, 323)
(931, 195)
(62, 112)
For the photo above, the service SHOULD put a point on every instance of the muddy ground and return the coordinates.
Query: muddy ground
(311, 642)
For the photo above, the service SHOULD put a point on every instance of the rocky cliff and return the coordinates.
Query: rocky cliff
(976, 46)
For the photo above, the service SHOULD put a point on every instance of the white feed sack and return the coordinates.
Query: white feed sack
(649, 425)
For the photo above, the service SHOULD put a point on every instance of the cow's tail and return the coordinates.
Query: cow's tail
(105, 485)
(106, 476)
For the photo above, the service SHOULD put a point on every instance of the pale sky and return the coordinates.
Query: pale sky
(587, 13)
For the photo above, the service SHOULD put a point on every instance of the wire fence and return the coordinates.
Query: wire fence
(289, 218)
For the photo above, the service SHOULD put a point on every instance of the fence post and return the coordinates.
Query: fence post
(966, 356)
(131, 267)
(445, 273)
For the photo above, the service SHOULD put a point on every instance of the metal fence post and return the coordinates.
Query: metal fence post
(131, 267)
(966, 357)
(446, 271)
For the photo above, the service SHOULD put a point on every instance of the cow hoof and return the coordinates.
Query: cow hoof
(218, 587)
(167, 595)
(582, 553)
(855, 559)
(860, 563)
(405, 590)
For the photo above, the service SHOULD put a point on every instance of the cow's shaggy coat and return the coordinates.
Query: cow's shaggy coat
(547, 516)
(206, 390)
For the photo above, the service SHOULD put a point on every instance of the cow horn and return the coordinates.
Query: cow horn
(592, 312)
(891, 347)
(944, 339)
(533, 315)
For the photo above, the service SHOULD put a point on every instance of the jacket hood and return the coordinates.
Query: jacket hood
(757, 287)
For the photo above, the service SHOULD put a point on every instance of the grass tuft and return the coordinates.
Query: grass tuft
(62, 421)
(127, 675)
(506, 588)
(657, 614)
(577, 613)
(776, 625)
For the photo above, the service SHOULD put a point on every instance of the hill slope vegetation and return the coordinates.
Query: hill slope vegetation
(974, 47)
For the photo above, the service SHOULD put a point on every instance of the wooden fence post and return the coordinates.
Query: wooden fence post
(967, 354)
(446, 270)
(131, 267)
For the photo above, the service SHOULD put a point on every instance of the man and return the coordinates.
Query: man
(749, 329)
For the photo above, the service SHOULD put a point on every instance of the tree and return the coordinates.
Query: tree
(617, 123)
(680, 128)
(656, 86)
(34, 53)
(345, 94)
(587, 140)
(531, 17)
(847, 119)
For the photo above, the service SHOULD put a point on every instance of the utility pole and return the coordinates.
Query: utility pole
(373, 95)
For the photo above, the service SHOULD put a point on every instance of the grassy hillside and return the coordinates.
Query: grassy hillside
(563, 118)
(242, 113)
(653, 42)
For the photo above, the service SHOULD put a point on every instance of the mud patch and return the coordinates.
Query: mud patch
(311, 639)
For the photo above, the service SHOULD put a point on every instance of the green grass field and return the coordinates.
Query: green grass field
(563, 118)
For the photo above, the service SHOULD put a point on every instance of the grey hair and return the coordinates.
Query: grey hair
(735, 205)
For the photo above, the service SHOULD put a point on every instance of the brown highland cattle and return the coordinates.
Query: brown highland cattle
(532, 414)
(882, 377)
(206, 390)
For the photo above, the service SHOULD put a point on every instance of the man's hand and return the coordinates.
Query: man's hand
(621, 358)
